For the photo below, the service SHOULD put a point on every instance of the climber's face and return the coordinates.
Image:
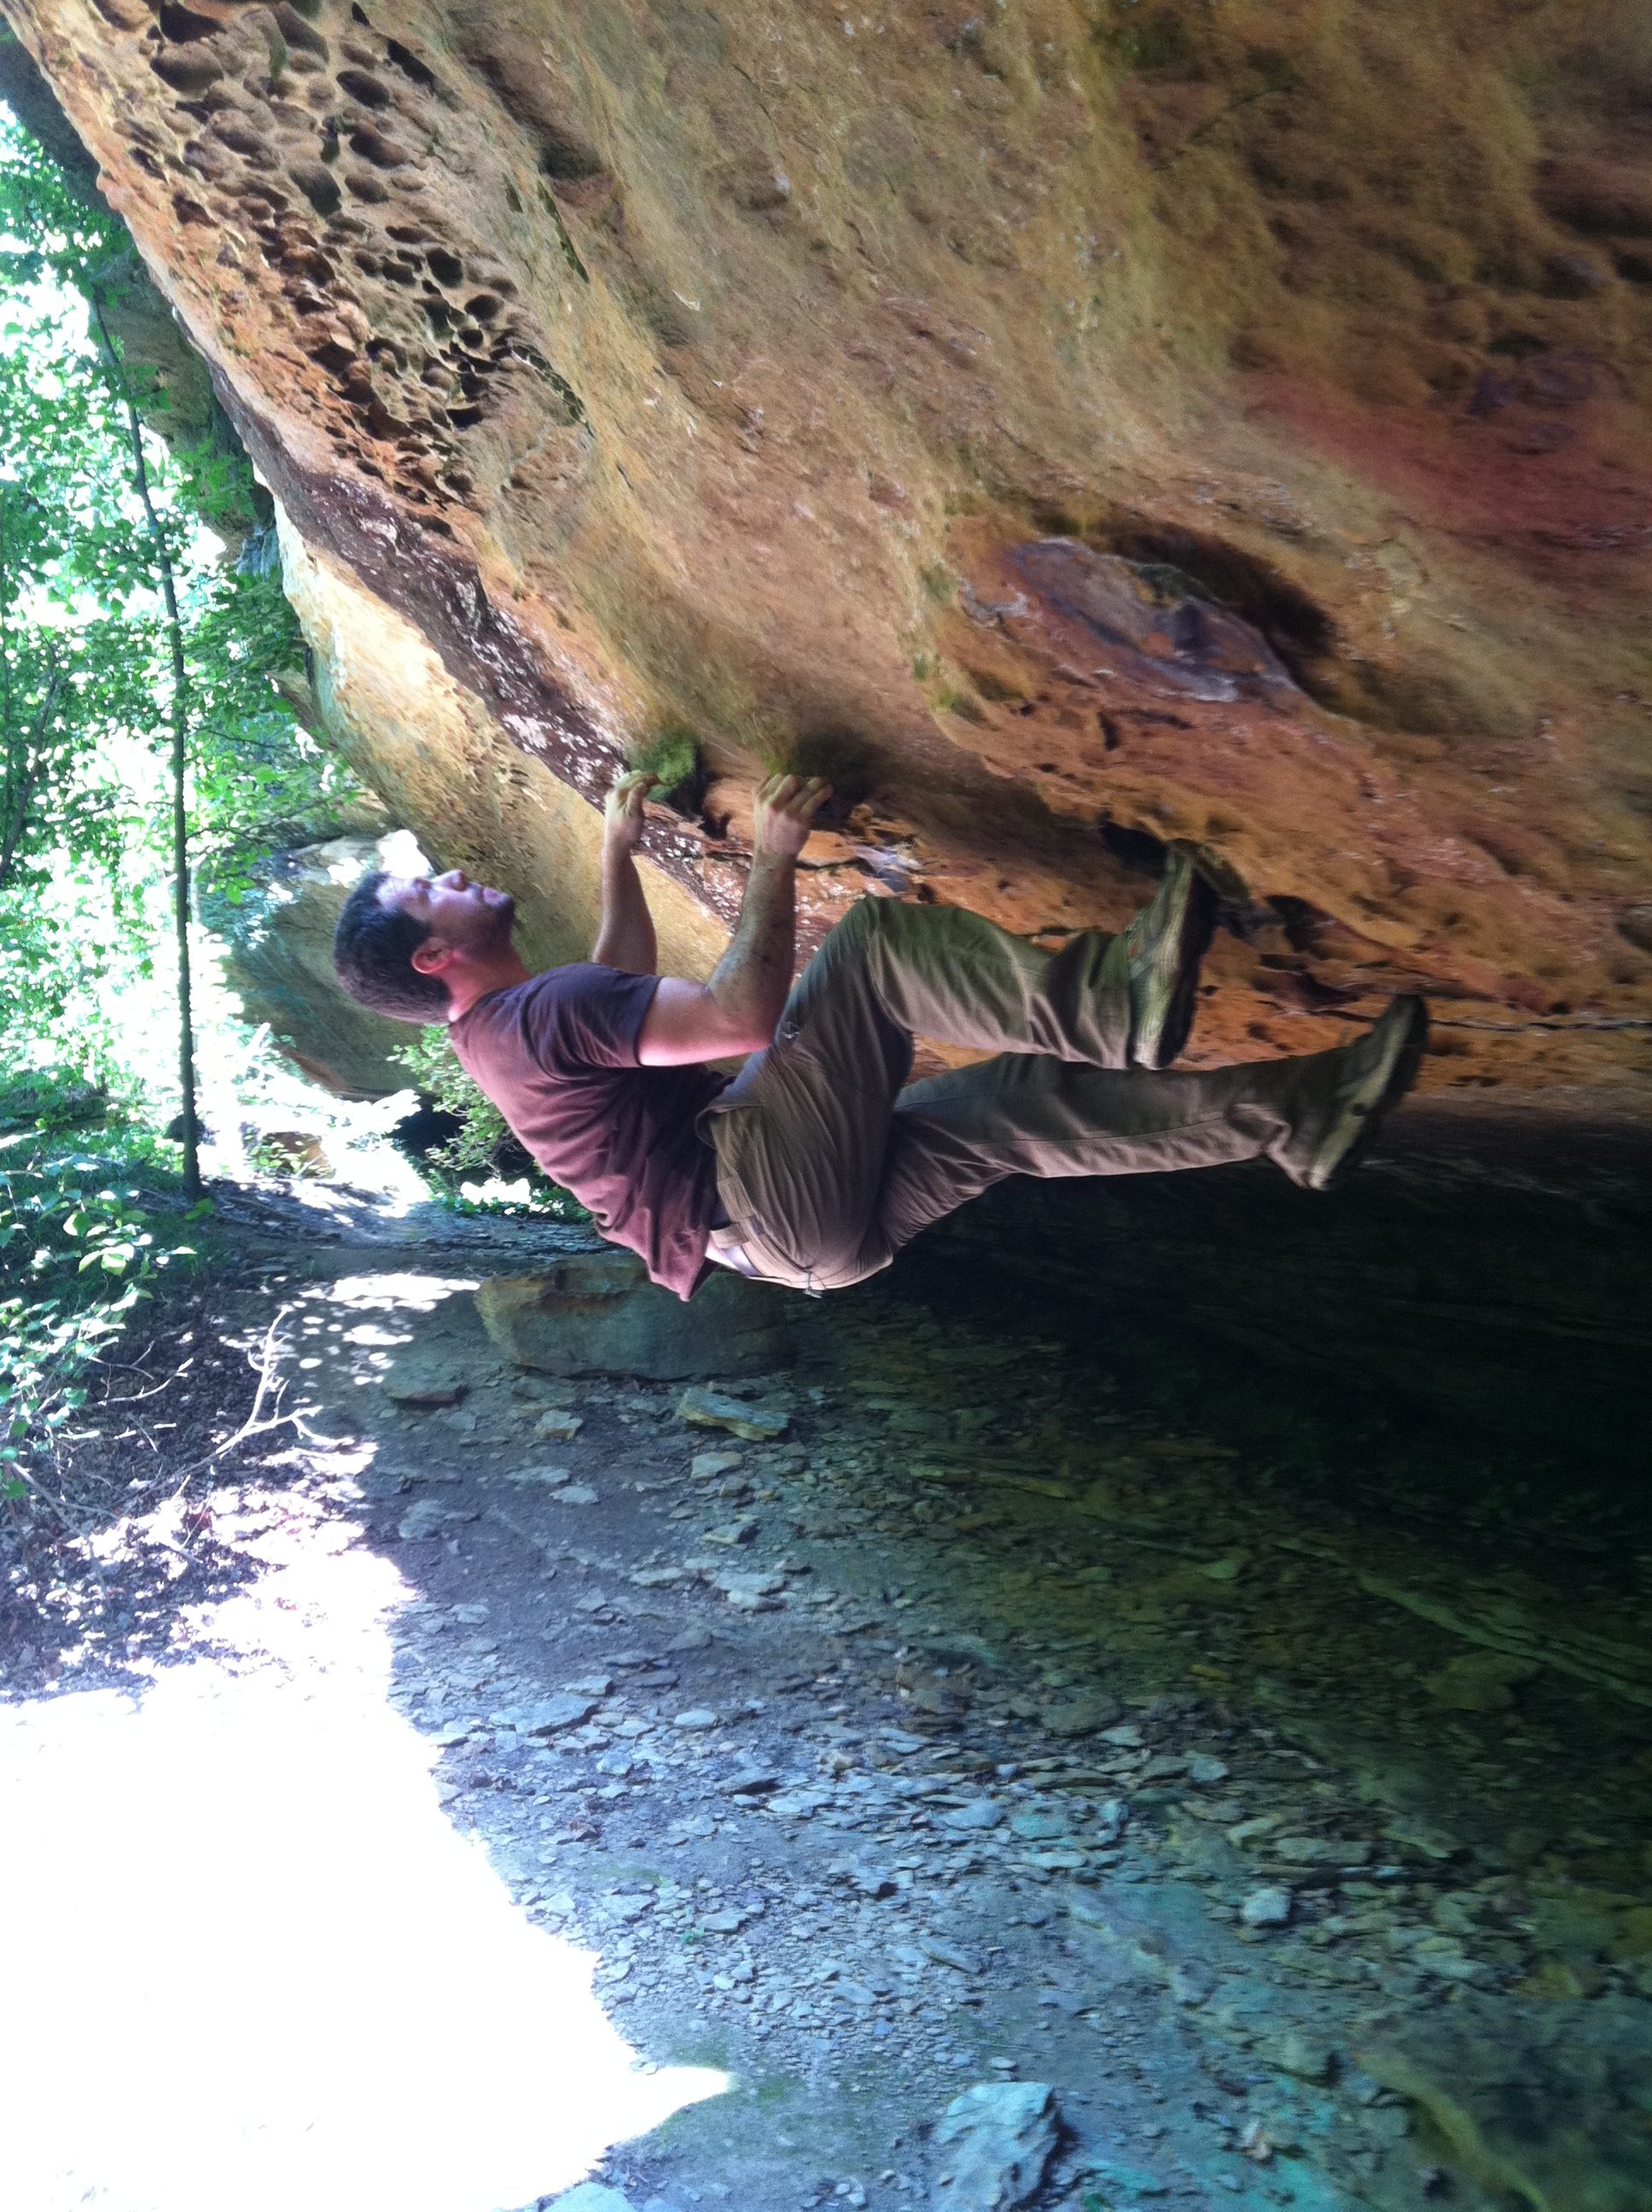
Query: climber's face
(467, 918)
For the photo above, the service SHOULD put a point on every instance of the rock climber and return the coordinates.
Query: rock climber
(818, 1161)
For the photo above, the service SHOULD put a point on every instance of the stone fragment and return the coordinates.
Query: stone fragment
(1319, 1850)
(1203, 1770)
(597, 1313)
(751, 1782)
(1295, 2051)
(709, 1409)
(589, 2196)
(709, 1464)
(979, 1814)
(1192, 1982)
(559, 1424)
(732, 1534)
(945, 1952)
(1479, 1681)
(1040, 1827)
(867, 1879)
(575, 1493)
(427, 1518)
(1071, 1717)
(994, 2144)
(695, 1719)
(555, 1714)
(1266, 1908)
(546, 1478)
(419, 1378)
(752, 1593)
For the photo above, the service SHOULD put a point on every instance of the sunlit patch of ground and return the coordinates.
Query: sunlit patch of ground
(251, 1964)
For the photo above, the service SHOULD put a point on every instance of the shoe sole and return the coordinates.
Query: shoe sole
(1180, 955)
(1362, 1115)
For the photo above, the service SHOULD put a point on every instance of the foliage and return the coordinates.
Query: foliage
(466, 1167)
(87, 697)
(77, 1256)
(85, 684)
(672, 755)
(434, 1068)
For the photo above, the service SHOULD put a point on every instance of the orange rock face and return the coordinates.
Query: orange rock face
(1071, 426)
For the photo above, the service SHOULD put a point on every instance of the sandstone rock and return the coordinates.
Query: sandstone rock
(994, 2144)
(709, 1409)
(278, 960)
(597, 1313)
(435, 301)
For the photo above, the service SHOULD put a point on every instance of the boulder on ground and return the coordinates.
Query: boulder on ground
(278, 959)
(597, 1313)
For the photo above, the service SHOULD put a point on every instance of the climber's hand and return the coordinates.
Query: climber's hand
(784, 813)
(622, 817)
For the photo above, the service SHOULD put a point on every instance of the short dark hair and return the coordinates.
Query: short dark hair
(373, 950)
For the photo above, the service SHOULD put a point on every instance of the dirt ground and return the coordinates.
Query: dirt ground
(982, 1723)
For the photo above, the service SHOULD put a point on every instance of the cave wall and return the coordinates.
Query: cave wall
(1071, 426)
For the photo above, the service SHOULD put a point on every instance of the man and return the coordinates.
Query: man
(815, 1164)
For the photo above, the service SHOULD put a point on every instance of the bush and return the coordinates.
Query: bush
(466, 1169)
(76, 1256)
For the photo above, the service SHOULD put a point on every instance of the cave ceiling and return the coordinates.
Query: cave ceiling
(1069, 426)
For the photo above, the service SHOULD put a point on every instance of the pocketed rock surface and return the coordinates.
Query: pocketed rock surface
(1067, 426)
(987, 1727)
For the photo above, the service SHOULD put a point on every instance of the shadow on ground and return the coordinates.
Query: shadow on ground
(1183, 1649)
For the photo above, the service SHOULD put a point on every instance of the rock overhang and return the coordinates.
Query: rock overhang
(661, 380)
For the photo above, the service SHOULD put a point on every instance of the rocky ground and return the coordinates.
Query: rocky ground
(1022, 1797)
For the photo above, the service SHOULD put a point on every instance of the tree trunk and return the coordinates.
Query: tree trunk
(179, 765)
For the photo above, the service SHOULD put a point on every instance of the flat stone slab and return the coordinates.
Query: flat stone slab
(555, 1714)
(597, 1313)
(709, 1409)
(993, 2145)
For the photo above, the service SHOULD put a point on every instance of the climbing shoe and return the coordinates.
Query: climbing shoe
(1375, 1074)
(1166, 943)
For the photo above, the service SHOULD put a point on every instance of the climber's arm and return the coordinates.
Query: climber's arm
(625, 936)
(737, 1011)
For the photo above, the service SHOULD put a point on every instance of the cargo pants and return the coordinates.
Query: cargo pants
(829, 1162)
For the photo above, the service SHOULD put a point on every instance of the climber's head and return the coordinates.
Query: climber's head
(423, 948)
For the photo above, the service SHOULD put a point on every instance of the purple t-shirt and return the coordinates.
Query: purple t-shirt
(558, 1057)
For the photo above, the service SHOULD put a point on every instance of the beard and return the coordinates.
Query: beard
(499, 921)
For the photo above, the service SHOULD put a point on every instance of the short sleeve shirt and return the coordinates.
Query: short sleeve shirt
(558, 1057)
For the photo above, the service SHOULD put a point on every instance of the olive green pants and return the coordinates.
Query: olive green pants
(829, 1161)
